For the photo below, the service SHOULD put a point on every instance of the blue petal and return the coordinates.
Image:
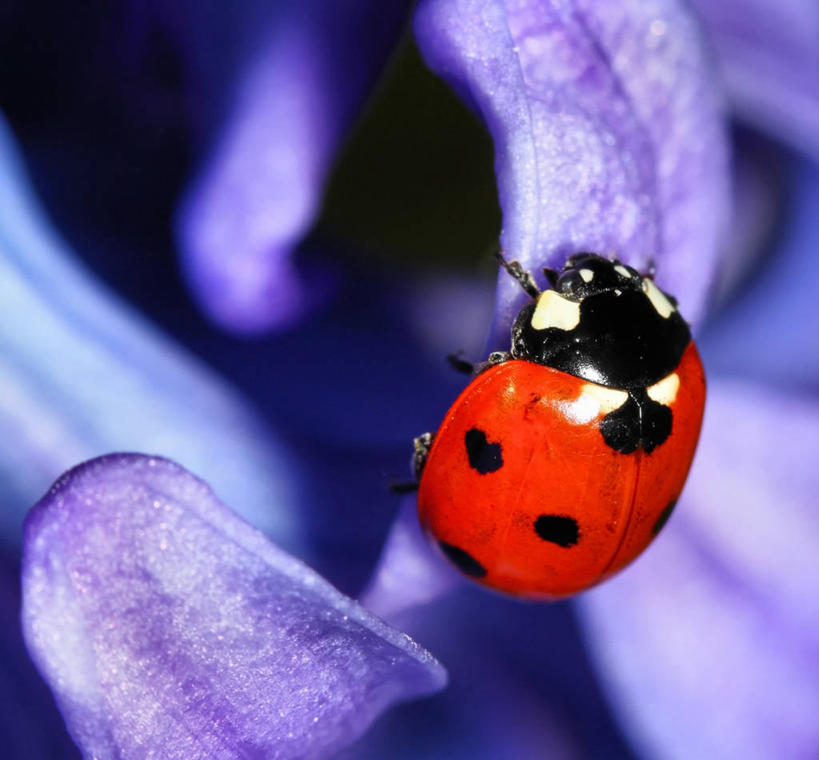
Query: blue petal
(521, 687)
(770, 331)
(81, 375)
(288, 100)
(769, 59)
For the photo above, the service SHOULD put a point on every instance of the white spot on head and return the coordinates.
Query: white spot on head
(622, 271)
(658, 299)
(553, 310)
(665, 391)
(587, 275)
(593, 401)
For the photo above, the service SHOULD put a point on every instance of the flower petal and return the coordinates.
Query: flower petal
(169, 627)
(522, 688)
(608, 131)
(409, 572)
(260, 187)
(80, 375)
(29, 722)
(769, 56)
(769, 332)
(709, 642)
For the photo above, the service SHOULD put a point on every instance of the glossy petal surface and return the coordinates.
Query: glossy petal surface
(285, 106)
(168, 627)
(607, 128)
(769, 59)
(709, 642)
(81, 375)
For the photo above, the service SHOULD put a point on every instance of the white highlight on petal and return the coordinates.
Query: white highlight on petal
(658, 299)
(593, 401)
(553, 310)
(587, 275)
(665, 391)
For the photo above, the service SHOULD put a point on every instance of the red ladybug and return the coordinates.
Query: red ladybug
(564, 457)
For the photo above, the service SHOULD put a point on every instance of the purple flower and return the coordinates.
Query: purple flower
(163, 623)
(170, 627)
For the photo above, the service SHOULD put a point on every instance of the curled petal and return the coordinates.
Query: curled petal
(768, 53)
(80, 375)
(608, 131)
(709, 642)
(168, 627)
(288, 103)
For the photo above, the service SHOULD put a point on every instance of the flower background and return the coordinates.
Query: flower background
(704, 649)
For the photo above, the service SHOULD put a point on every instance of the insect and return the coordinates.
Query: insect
(564, 457)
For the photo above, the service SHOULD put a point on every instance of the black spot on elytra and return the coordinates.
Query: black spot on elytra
(558, 529)
(464, 561)
(663, 518)
(483, 456)
(640, 421)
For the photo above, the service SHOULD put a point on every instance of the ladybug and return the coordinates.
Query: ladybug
(564, 457)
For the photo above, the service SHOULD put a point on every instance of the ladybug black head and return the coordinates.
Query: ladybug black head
(586, 274)
(603, 322)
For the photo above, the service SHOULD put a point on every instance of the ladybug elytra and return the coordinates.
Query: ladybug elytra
(564, 457)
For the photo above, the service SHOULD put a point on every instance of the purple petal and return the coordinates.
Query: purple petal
(521, 688)
(29, 722)
(169, 627)
(756, 217)
(769, 59)
(409, 573)
(769, 332)
(81, 375)
(299, 77)
(608, 132)
(709, 642)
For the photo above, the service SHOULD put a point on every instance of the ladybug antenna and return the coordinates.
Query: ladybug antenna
(520, 275)
(651, 269)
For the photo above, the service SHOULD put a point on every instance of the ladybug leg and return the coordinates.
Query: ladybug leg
(404, 487)
(520, 275)
(496, 357)
(421, 446)
(460, 365)
(420, 449)
(468, 368)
